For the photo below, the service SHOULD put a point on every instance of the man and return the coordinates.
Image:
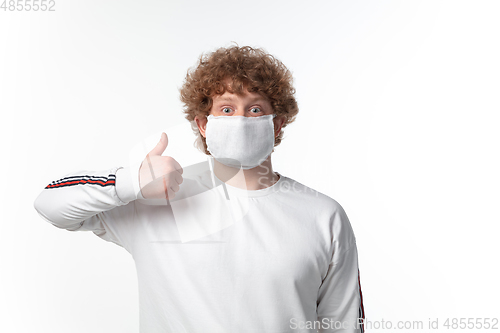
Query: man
(237, 247)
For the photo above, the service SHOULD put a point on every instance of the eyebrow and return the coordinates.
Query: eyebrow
(230, 99)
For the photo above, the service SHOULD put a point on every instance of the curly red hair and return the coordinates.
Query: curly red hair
(245, 67)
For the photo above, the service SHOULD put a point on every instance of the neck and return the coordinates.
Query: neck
(258, 178)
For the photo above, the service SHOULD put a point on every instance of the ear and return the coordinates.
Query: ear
(278, 123)
(202, 124)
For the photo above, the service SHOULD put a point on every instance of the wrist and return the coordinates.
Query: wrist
(127, 184)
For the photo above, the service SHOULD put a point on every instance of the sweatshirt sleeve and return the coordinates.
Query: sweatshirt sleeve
(340, 300)
(97, 201)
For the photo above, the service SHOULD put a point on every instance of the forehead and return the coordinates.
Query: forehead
(250, 97)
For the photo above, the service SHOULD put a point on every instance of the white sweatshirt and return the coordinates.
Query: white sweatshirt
(219, 259)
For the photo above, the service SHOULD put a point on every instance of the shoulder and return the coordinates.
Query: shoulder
(325, 209)
(310, 196)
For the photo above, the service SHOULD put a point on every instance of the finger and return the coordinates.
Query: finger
(168, 191)
(178, 177)
(165, 189)
(172, 180)
(174, 187)
(160, 146)
(177, 166)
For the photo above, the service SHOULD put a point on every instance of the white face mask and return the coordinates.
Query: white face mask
(238, 141)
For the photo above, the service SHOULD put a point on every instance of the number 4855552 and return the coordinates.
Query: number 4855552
(28, 5)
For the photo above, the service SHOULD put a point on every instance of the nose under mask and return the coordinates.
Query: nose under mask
(238, 141)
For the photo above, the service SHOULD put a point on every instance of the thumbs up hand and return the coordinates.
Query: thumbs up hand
(160, 176)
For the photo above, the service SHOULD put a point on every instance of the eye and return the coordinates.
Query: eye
(258, 110)
(229, 110)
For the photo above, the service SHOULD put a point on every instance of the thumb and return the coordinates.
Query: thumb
(161, 146)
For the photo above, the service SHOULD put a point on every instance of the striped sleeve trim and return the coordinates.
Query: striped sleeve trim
(83, 180)
(361, 311)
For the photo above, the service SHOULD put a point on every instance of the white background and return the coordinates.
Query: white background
(398, 122)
